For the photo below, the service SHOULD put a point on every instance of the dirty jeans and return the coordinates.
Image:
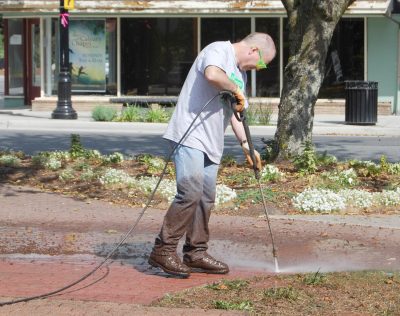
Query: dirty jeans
(190, 210)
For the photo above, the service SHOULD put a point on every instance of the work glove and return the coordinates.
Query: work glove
(240, 100)
(246, 151)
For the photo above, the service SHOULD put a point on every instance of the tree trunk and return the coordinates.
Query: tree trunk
(310, 25)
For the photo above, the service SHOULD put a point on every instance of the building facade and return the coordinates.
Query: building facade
(145, 48)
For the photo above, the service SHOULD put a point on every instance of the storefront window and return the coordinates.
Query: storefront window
(267, 81)
(224, 29)
(15, 57)
(156, 54)
(345, 58)
(87, 55)
(93, 56)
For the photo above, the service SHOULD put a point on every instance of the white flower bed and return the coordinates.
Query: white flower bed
(167, 187)
(318, 200)
(115, 176)
(388, 198)
(326, 201)
(357, 198)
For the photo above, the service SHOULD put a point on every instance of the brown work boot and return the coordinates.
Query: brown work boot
(206, 264)
(170, 264)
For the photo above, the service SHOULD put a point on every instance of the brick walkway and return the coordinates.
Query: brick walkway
(48, 241)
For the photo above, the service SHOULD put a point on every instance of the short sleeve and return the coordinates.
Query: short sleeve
(212, 55)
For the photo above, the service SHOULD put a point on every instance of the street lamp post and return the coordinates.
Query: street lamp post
(64, 108)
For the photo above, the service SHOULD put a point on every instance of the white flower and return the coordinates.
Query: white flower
(388, 198)
(115, 176)
(270, 172)
(345, 177)
(358, 198)
(10, 161)
(318, 200)
(52, 163)
(224, 194)
(114, 158)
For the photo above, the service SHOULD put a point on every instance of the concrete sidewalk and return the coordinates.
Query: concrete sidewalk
(324, 124)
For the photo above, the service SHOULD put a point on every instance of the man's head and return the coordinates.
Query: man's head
(255, 51)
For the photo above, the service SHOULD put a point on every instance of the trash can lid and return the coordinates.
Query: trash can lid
(360, 84)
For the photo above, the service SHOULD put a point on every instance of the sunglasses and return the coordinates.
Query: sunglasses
(260, 64)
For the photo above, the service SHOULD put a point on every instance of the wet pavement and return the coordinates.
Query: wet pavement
(49, 240)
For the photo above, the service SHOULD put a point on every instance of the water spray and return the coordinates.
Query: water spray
(242, 118)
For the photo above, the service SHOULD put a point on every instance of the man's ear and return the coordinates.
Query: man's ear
(253, 50)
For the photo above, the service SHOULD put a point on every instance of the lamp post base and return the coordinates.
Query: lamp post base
(64, 112)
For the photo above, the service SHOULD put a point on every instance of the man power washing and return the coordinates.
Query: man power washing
(219, 66)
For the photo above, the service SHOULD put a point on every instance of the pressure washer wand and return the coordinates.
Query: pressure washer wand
(257, 176)
(242, 118)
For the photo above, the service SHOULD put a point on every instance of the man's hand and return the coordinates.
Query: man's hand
(240, 100)
(246, 151)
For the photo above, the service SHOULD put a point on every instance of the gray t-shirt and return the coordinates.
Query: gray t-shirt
(207, 133)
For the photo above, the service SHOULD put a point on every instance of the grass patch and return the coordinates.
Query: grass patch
(227, 305)
(358, 293)
(279, 293)
(314, 279)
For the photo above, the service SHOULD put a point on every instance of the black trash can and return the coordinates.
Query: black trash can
(361, 102)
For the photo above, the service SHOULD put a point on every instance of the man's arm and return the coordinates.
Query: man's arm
(240, 134)
(218, 78)
(238, 129)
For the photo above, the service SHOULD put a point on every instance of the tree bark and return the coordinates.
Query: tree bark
(310, 25)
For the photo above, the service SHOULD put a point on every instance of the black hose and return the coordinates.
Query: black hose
(84, 277)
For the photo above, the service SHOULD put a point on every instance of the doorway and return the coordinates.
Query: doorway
(32, 58)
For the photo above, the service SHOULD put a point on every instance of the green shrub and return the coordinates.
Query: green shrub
(104, 113)
(157, 116)
(306, 162)
(76, 149)
(131, 114)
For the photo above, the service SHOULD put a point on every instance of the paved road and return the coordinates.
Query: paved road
(133, 143)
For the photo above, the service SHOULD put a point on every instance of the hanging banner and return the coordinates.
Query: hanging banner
(87, 55)
(68, 4)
